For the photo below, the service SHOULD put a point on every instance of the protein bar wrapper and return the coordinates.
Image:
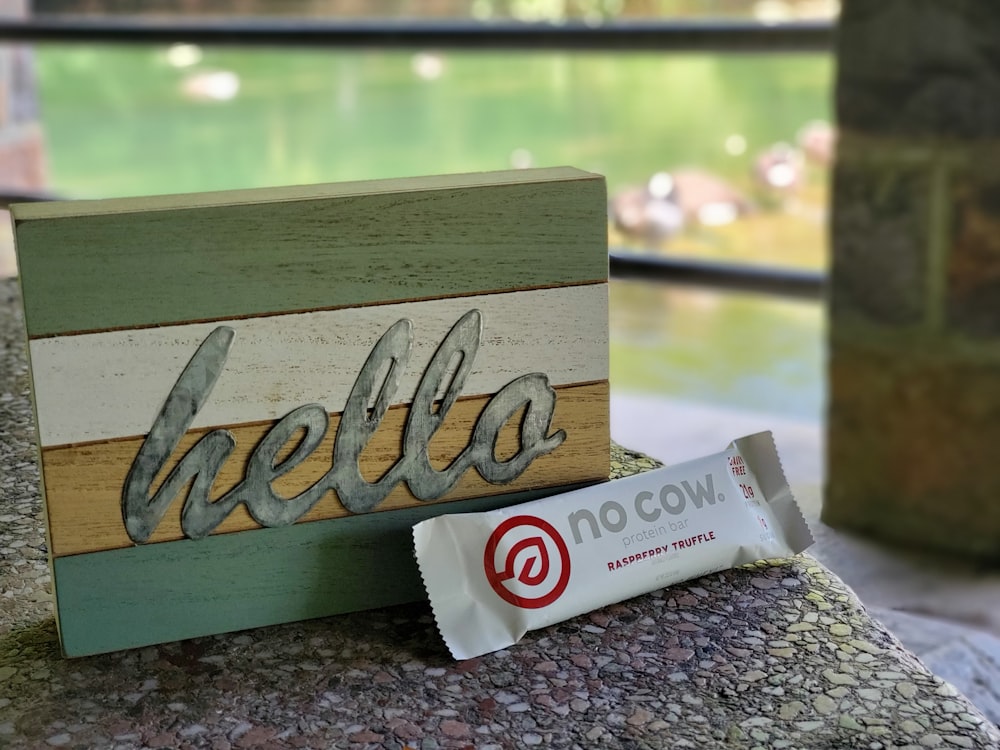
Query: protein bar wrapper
(491, 577)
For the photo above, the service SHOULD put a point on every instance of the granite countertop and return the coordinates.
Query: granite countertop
(774, 655)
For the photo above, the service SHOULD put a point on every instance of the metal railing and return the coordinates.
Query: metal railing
(736, 277)
(618, 36)
(640, 36)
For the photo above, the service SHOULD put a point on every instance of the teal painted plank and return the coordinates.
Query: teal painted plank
(96, 265)
(138, 596)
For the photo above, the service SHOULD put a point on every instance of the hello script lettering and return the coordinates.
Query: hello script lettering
(376, 384)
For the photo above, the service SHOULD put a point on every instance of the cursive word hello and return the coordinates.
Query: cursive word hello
(202, 463)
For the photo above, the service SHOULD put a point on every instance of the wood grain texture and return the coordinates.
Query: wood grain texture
(100, 386)
(119, 294)
(138, 596)
(83, 484)
(99, 265)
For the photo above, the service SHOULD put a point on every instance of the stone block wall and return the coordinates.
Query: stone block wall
(914, 405)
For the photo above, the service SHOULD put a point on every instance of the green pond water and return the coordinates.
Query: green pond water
(131, 121)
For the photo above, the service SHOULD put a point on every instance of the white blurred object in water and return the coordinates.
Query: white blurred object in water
(184, 55)
(661, 185)
(521, 158)
(736, 145)
(718, 214)
(219, 86)
(779, 167)
(427, 65)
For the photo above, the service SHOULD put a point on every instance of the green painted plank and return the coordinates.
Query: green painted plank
(108, 601)
(126, 263)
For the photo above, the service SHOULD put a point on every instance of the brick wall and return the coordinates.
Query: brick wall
(914, 411)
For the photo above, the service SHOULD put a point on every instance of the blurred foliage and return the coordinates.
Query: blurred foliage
(134, 120)
(315, 116)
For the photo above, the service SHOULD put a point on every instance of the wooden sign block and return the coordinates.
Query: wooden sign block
(245, 400)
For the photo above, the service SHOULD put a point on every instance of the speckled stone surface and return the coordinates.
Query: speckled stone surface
(774, 655)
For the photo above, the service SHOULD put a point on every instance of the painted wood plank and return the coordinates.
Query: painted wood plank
(138, 596)
(244, 196)
(165, 260)
(110, 385)
(83, 484)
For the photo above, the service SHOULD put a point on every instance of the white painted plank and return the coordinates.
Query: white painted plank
(109, 385)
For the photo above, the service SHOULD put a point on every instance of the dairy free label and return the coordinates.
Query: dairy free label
(527, 562)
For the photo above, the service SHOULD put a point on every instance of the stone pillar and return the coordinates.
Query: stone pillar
(914, 407)
(22, 162)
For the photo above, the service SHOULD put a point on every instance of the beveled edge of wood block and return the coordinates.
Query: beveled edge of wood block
(22, 212)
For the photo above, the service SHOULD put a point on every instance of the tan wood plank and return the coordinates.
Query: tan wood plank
(83, 484)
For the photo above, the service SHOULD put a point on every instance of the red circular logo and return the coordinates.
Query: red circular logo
(544, 562)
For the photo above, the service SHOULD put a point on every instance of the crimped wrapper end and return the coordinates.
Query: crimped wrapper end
(422, 546)
(468, 622)
(761, 454)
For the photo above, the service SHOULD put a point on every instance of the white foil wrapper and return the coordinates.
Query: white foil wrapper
(491, 577)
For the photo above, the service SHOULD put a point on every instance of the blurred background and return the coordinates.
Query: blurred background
(713, 123)
(709, 155)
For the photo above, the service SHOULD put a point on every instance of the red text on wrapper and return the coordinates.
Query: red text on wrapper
(657, 551)
(545, 575)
